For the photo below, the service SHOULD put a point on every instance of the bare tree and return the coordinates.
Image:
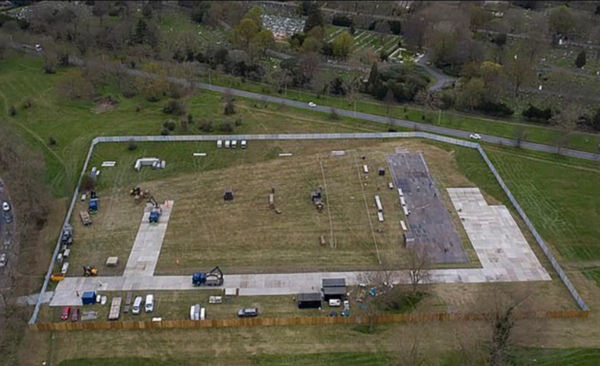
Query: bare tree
(566, 122)
(519, 71)
(374, 284)
(418, 268)
(410, 349)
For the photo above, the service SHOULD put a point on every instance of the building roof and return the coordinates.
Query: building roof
(334, 290)
(334, 282)
(306, 297)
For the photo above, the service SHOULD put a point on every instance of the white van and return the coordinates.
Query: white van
(244, 144)
(227, 143)
(149, 306)
(137, 305)
(233, 144)
(219, 144)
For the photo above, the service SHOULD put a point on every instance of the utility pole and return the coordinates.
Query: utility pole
(210, 80)
(440, 117)
(355, 108)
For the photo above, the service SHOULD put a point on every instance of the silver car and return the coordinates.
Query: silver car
(3, 260)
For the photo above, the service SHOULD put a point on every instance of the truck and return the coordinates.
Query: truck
(212, 278)
(85, 218)
(93, 207)
(155, 211)
(66, 236)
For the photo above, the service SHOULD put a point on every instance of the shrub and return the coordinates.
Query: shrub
(138, 109)
(495, 109)
(226, 127)
(49, 68)
(169, 125)
(238, 122)
(341, 20)
(131, 146)
(164, 131)
(190, 119)
(88, 183)
(129, 93)
(184, 124)
(12, 110)
(51, 141)
(174, 107)
(534, 113)
(27, 103)
(206, 126)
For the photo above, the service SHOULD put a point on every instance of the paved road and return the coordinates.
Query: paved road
(441, 80)
(386, 120)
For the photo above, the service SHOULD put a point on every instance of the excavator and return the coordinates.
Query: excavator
(89, 271)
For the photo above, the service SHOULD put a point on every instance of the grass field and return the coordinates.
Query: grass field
(245, 235)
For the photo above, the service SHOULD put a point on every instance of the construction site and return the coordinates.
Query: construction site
(254, 227)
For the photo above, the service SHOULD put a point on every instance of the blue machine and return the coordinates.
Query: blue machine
(93, 207)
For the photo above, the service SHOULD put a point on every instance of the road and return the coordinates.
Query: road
(6, 230)
(441, 80)
(386, 120)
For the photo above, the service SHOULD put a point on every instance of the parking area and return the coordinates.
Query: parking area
(429, 220)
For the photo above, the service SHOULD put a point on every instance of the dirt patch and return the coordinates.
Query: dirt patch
(105, 104)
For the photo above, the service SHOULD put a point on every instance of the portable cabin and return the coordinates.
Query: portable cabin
(228, 194)
(378, 203)
(381, 171)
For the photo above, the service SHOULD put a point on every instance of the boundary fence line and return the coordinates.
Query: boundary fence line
(309, 320)
(319, 136)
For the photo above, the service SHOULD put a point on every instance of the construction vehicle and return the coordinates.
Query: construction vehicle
(89, 271)
(85, 218)
(212, 278)
(93, 207)
(155, 212)
(57, 277)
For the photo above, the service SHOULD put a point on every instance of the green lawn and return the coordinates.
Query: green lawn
(523, 357)
(365, 104)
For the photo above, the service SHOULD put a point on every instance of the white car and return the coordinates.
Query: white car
(311, 104)
(2, 260)
(475, 136)
(5, 206)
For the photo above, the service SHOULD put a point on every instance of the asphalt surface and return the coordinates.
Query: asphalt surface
(387, 120)
(441, 80)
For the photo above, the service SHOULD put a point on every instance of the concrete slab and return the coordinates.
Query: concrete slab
(148, 243)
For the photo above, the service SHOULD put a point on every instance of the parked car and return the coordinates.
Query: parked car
(39, 48)
(66, 313)
(312, 104)
(137, 305)
(475, 136)
(5, 206)
(3, 260)
(248, 313)
(244, 144)
(74, 314)
(335, 303)
(149, 306)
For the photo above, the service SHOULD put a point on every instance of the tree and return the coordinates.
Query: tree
(263, 40)
(147, 10)
(153, 87)
(244, 32)
(471, 93)
(389, 101)
(308, 68)
(418, 269)
(478, 17)
(139, 34)
(580, 61)
(415, 30)
(566, 122)
(562, 20)
(342, 45)
(520, 134)
(315, 17)
(228, 103)
(376, 283)
(75, 86)
(519, 72)
(373, 76)
(100, 9)
(351, 85)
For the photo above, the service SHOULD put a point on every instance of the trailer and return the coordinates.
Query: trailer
(212, 278)
(380, 216)
(85, 218)
(365, 169)
(115, 308)
(378, 203)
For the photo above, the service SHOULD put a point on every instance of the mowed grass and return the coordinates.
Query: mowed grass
(560, 199)
(246, 235)
(74, 124)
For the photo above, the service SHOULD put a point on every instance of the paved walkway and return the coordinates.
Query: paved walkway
(502, 249)
(148, 242)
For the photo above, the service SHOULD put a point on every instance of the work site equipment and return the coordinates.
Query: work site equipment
(212, 278)
(85, 218)
(57, 277)
(93, 207)
(66, 236)
(89, 271)
(156, 211)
